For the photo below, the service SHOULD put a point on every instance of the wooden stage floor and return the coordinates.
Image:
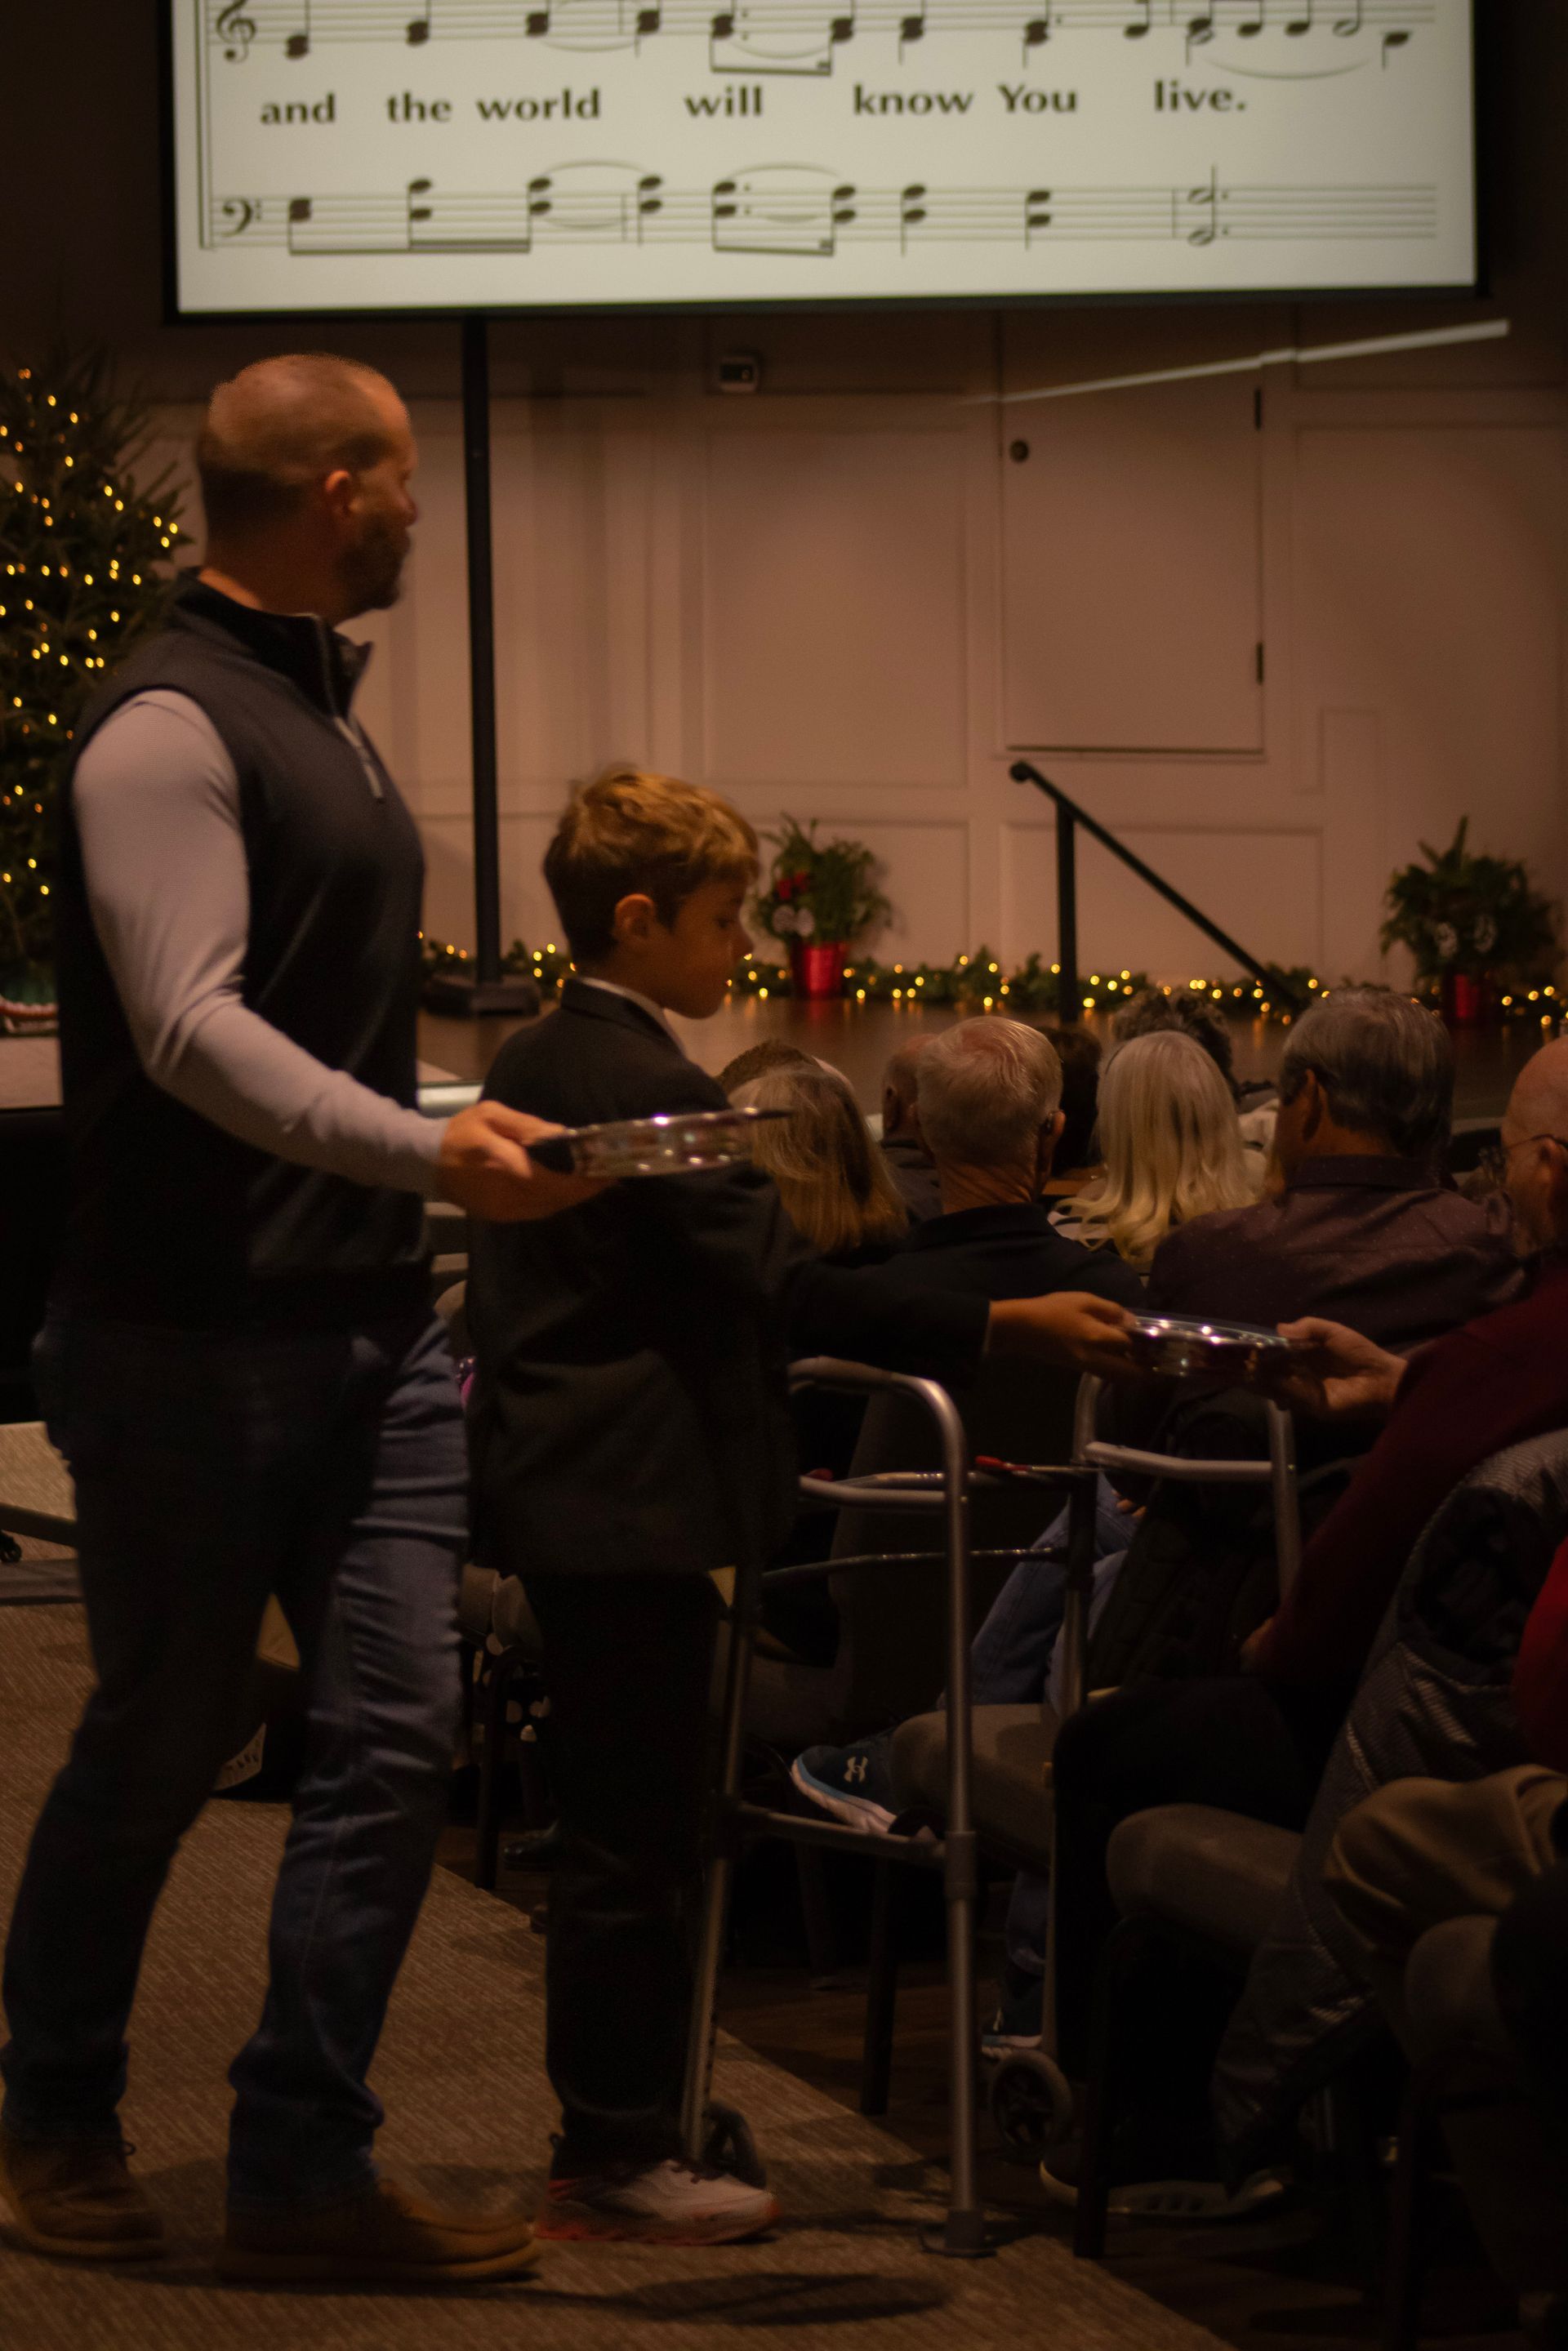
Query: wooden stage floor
(858, 1039)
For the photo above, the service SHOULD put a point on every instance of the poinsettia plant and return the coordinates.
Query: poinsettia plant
(819, 891)
(1465, 913)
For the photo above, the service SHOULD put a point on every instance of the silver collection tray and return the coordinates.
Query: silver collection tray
(1183, 1348)
(676, 1143)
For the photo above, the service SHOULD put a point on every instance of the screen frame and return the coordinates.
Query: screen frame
(1479, 288)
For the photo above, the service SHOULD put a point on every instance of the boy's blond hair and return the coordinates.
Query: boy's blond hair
(630, 833)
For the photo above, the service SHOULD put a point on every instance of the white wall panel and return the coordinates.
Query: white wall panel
(832, 610)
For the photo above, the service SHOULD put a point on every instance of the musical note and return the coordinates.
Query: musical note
(801, 37)
(235, 30)
(801, 210)
(1205, 201)
(1037, 214)
(782, 208)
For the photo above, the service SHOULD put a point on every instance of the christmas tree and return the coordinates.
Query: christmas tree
(84, 572)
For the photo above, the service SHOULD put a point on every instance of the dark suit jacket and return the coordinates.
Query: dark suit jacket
(1012, 1250)
(631, 1409)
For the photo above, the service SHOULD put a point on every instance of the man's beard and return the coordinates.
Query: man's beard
(372, 571)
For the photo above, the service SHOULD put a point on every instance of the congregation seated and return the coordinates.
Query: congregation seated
(1171, 1149)
(1192, 1014)
(1255, 1743)
(836, 1187)
(1077, 1161)
(988, 1110)
(1360, 1231)
(907, 1157)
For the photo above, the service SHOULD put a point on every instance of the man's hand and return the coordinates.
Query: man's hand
(1343, 1376)
(1068, 1326)
(484, 1168)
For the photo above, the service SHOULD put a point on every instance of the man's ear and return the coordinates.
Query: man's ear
(634, 919)
(892, 1111)
(1313, 1104)
(1050, 1136)
(335, 495)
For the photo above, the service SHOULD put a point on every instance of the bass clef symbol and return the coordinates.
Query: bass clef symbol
(235, 29)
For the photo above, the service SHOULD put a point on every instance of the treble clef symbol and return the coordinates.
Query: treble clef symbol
(235, 29)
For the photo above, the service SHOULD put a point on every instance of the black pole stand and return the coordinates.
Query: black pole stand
(481, 989)
(1067, 1004)
(1069, 817)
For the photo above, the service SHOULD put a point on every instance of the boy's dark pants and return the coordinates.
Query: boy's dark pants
(628, 1662)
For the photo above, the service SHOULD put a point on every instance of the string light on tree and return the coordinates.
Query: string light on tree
(77, 529)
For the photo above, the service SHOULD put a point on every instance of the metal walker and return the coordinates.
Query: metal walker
(718, 2134)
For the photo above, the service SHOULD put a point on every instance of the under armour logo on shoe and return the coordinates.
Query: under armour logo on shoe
(855, 1769)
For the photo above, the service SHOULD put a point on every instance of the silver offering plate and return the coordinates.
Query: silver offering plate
(674, 1144)
(1236, 1352)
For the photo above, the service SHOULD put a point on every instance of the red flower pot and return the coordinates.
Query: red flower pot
(816, 971)
(1466, 1001)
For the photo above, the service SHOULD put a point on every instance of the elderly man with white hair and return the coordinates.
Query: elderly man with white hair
(988, 1111)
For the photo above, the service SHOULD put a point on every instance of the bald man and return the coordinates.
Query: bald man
(240, 1362)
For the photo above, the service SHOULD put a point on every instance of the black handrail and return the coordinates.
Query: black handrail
(1069, 817)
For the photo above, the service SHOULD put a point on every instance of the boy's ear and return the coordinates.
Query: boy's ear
(634, 919)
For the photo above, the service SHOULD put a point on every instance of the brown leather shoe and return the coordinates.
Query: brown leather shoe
(75, 2197)
(380, 2235)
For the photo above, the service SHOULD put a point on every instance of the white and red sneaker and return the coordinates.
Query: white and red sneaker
(668, 2203)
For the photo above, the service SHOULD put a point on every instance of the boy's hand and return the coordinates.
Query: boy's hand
(484, 1168)
(1068, 1326)
(1343, 1376)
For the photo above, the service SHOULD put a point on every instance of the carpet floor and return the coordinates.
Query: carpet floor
(461, 2071)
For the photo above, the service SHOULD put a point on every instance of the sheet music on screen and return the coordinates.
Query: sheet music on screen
(489, 154)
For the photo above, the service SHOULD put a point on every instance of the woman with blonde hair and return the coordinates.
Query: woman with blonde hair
(834, 1181)
(1170, 1143)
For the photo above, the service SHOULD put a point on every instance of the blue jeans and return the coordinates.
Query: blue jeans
(1011, 1653)
(211, 1469)
(1011, 1661)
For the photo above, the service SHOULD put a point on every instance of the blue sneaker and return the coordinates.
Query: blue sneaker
(854, 1783)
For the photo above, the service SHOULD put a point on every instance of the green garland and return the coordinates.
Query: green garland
(976, 980)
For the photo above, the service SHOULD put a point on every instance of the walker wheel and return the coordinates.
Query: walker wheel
(1031, 2105)
(731, 2147)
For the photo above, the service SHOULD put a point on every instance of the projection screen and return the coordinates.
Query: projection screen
(343, 155)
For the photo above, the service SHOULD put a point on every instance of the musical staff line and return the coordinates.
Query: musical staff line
(805, 210)
(802, 37)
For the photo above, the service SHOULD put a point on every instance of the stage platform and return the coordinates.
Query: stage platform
(858, 1039)
(470, 2111)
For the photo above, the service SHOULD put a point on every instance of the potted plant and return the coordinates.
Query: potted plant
(1473, 924)
(820, 900)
